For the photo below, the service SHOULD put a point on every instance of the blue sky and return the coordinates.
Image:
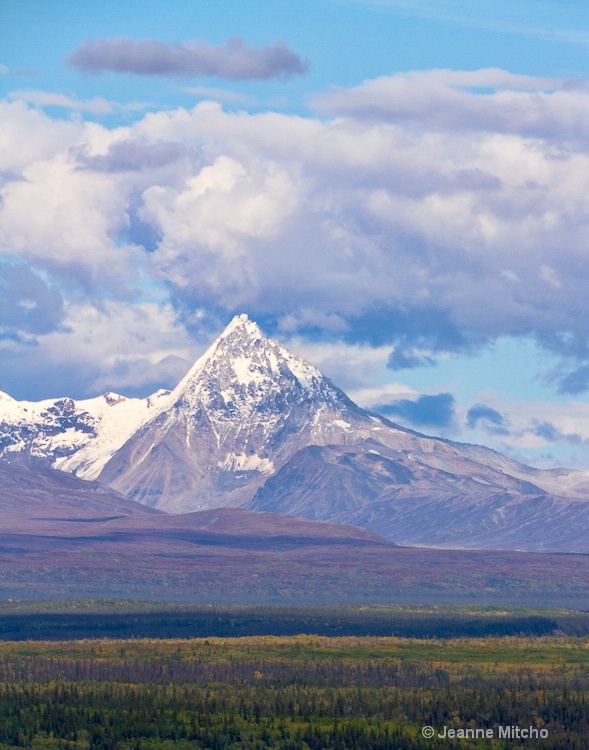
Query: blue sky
(396, 189)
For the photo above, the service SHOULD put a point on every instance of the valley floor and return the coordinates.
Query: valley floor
(189, 567)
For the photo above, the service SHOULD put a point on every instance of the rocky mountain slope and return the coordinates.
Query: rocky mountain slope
(253, 426)
(449, 501)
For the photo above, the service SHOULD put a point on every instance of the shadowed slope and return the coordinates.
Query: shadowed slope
(31, 497)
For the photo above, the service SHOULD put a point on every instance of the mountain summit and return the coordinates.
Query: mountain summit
(246, 378)
(246, 406)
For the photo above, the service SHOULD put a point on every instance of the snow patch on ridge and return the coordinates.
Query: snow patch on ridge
(342, 423)
(241, 462)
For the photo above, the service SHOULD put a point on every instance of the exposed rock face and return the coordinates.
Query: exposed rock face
(402, 496)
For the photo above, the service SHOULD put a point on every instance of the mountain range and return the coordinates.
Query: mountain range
(252, 426)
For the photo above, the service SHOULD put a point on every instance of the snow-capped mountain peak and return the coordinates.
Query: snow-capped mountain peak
(243, 408)
(113, 398)
(245, 372)
(241, 327)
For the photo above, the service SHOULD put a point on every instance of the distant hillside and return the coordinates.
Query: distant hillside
(31, 497)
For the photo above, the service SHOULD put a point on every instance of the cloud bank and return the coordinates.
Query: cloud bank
(452, 214)
(236, 60)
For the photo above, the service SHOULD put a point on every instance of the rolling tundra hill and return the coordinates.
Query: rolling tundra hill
(32, 498)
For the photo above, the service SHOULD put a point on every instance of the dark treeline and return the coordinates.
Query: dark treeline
(287, 694)
(204, 622)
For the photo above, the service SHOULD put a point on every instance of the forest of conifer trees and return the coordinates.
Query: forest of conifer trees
(291, 693)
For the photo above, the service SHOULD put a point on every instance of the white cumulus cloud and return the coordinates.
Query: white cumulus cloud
(428, 212)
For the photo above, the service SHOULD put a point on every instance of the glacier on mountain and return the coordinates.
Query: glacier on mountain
(74, 436)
